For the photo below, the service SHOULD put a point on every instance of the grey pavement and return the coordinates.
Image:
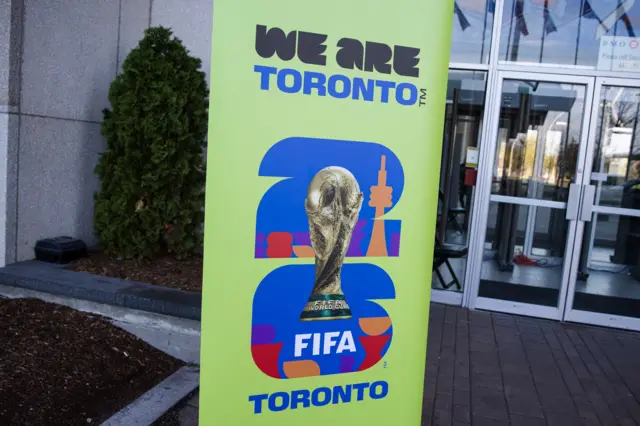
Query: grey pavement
(153, 404)
(189, 414)
(493, 369)
(486, 369)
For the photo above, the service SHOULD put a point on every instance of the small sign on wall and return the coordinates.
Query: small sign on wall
(472, 157)
(619, 54)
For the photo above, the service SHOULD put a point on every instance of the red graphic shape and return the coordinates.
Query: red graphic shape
(373, 346)
(266, 358)
(279, 245)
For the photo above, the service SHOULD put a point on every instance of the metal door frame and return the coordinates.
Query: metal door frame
(485, 174)
(587, 207)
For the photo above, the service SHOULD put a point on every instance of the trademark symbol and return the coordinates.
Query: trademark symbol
(423, 97)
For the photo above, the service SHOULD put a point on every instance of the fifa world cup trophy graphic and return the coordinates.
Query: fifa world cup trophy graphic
(333, 205)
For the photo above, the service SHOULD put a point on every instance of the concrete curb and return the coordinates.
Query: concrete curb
(55, 280)
(157, 401)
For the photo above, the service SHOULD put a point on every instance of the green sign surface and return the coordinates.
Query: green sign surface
(322, 180)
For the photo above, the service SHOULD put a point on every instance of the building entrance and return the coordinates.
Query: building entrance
(559, 197)
(605, 279)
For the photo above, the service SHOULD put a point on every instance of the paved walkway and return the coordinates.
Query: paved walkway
(488, 369)
(494, 369)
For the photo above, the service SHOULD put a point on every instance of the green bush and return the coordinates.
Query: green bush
(152, 174)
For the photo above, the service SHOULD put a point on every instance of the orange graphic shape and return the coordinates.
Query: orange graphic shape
(375, 326)
(297, 369)
(381, 198)
(378, 243)
(304, 251)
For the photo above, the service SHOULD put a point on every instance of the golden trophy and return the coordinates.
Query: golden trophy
(333, 204)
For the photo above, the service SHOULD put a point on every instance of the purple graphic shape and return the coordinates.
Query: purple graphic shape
(301, 239)
(356, 239)
(260, 252)
(262, 334)
(347, 364)
(394, 247)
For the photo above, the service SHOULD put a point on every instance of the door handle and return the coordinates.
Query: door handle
(573, 203)
(588, 198)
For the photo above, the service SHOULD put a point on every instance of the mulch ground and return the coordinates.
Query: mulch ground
(63, 367)
(165, 271)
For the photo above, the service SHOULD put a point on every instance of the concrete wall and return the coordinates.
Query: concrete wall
(191, 22)
(71, 51)
(11, 12)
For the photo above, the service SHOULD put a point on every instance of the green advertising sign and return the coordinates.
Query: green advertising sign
(322, 180)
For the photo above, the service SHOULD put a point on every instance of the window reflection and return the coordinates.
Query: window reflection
(463, 128)
(523, 258)
(471, 35)
(609, 269)
(462, 131)
(568, 32)
(538, 139)
(616, 166)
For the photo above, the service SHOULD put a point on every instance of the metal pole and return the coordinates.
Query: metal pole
(484, 29)
(578, 35)
(509, 45)
(588, 238)
(544, 28)
(515, 185)
(518, 30)
(632, 144)
(444, 217)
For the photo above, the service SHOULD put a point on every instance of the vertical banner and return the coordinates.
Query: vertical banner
(324, 151)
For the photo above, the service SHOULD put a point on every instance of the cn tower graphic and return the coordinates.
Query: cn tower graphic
(380, 199)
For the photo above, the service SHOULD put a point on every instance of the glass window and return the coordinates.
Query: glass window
(523, 259)
(471, 35)
(616, 165)
(609, 269)
(538, 139)
(591, 33)
(463, 127)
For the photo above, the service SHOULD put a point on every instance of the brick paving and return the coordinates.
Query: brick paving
(487, 369)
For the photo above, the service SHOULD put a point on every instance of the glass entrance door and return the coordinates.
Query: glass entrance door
(523, 254)
(605, 276)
